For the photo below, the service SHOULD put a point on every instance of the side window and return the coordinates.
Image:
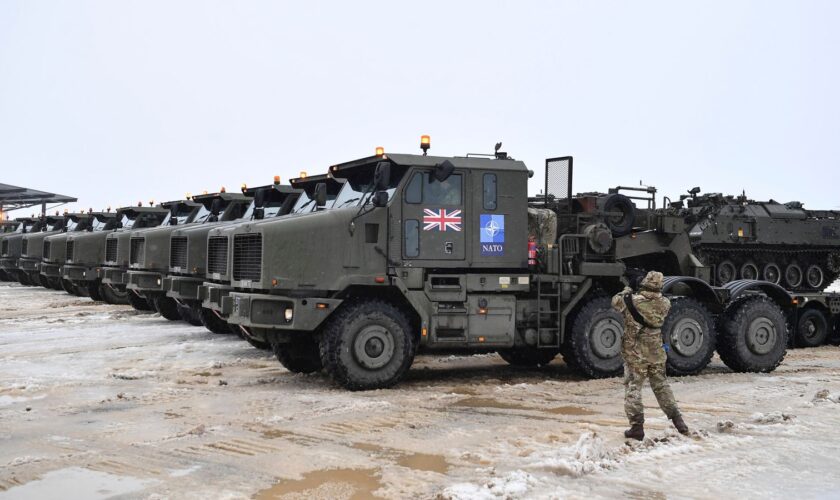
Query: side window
(412, 238)
(489, 191)
(423, 188)
(414, 190)
(447, 192)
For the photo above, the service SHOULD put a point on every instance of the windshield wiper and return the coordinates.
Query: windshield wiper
(351, 200)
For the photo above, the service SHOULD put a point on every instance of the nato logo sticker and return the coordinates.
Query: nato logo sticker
(492, 235)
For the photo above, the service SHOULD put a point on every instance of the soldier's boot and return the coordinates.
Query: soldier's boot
(679, 423)
(636, 431)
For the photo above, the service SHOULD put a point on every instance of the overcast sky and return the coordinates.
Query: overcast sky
(116, 101)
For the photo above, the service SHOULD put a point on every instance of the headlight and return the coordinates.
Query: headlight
(158, 281)
(289, 314)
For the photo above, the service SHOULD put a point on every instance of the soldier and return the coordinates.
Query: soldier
(643, 352)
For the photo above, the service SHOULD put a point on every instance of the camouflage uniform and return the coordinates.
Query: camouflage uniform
(642, 349)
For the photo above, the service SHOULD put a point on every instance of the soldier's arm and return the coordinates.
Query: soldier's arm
(654, 311)
(618, 299)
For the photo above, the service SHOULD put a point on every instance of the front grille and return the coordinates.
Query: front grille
(4, 248)
(247, 257)
(136, 251)
(111, 250)
(69, 252)
(23, 247)
(46, 255)
(178, 252)
(217, 250)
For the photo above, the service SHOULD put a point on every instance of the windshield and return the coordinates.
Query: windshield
(271, 209)
(355, 192)
(126, 222)
(202, 215)
(55, 226)
(303, 204)
(348, 197)
(97, 224)
(72, 225)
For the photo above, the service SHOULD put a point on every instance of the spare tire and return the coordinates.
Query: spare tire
(620, 225)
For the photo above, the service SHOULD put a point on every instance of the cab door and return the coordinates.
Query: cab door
(433, 217)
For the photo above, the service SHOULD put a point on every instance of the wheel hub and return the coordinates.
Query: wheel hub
(761, 336)
(687, 337)
(605, 338)
(808, 329)
(373, 347)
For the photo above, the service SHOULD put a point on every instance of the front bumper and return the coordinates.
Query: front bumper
(51, 270)
(9, 264)
(144, 281)
(183, 288)
(268, 311)
(29, 265)
(216, 297)
(77, 273)
(114, 276)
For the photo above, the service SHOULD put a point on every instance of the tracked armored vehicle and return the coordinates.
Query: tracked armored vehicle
(314, 193)
(31, 246)
(149, 250)
(55, 249)
(740, 238)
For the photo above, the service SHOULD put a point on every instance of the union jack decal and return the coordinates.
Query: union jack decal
(441, 220)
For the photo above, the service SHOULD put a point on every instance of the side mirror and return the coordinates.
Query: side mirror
(260, 198)
(259, 213)
(380, 199)
(173, 221)
(382, 176)
(443, 170)
(321, 194)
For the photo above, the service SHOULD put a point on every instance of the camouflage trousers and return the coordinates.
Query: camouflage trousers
(634, 380)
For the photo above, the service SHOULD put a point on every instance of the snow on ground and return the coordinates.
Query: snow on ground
(98, 401)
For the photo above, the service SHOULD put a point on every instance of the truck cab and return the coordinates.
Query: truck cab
(56, 248)
(32, 243)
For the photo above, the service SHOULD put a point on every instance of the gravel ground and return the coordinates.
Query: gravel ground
(99, 401)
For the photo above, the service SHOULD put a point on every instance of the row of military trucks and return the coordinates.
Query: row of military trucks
(355, 271)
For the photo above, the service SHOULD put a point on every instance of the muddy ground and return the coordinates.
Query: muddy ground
(98, 401)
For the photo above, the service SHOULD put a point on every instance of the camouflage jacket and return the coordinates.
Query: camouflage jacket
(641, 344)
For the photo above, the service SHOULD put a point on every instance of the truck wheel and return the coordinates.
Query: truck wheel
(595, 339)
(690, 332)
(93, 291)
(68, 287)
(112, 296)
(23, 279)
(167, 307)
(137, 302)
(213, 323)
(528, 356)
(620, 225)
(301, 355)
(811, 329)
(367, 345)
(753, 335)
(55, 283)
(725, 272)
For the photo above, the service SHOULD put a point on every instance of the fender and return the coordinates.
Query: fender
(781, 296)
(701, 290)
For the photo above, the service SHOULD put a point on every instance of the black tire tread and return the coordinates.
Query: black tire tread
(730, 325)
(674, 368)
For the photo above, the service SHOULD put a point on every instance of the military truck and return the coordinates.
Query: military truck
(315, 193)
(55, 246)
(10, 246)
(112, 267)
(7, 227)
(149, 256)
(188, 252)
(31, 246)
(449, 253)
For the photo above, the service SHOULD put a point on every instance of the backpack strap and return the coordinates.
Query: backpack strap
(637, 316)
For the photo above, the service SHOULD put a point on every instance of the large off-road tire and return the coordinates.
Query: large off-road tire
(367, 344)
(93, 291)
(137, 302)
(528, 356)
(112, 296)
(620, 225)
(595, 339)
(752, 335)
(23, 279)
(214, 323)
(811, 330)
(55, 283)
(4, 276)
(43, 281)
(68, 286)
(301, 355)
(689, 330)
(167, 307)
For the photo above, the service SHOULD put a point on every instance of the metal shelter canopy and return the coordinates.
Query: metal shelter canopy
(16, 198)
